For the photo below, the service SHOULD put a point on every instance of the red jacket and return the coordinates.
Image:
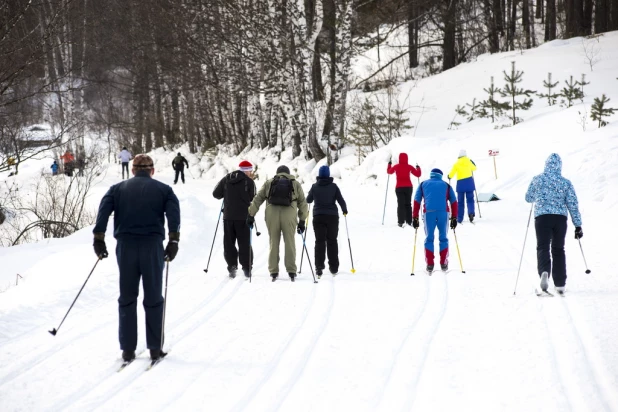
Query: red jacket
(403, 170)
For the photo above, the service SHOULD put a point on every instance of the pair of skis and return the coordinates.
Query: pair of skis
(151, 365)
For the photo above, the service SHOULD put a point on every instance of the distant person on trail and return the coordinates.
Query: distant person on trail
(54, 168)
(140, 205)
(553, 195)
(178, 164)
(326, 220)
(125, 157)
(463, 169)
(436, 193)
(69, 162)
(237, 190)
(285, 200)
(403, 188)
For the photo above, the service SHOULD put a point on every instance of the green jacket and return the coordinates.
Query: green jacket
(299, 201)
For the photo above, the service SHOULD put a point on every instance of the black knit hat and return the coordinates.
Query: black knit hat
(283, 169)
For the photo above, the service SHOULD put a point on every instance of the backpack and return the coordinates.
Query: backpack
(280, 192)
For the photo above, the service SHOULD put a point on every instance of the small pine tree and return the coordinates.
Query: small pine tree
(551, 97)
(459, 111)
(511, 90)
(571, 92)
(474, 110)
(599, 111)
(491, 107)
(582, 84)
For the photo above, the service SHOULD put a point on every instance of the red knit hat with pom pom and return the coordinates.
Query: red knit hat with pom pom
(245, 166)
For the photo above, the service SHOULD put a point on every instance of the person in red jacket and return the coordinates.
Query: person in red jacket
(403, 188)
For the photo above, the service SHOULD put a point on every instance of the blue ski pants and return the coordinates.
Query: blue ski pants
(469, 197)
(435, 220)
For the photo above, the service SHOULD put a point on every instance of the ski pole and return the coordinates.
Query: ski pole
(308, 260)
(458, 254)
(349, 244)
(477, 198)
(414, 253)
(304, 238)
(167, 272)
(54, 331)
(580, 248)
(251, 252)
(257, 232)
(522, 250)
(385, 197)
(213, 238)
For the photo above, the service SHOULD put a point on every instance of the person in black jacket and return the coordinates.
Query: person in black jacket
(140, 205)
(237, 190)
(178, 164)
(326, 220)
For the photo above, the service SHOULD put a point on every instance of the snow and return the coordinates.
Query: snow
(378, 339)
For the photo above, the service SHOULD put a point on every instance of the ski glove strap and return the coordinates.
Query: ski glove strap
(579, 233)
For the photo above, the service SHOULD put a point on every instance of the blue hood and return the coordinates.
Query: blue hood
(553, 164)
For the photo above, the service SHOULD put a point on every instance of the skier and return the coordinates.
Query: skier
(178, 164)
(326, 220)
(553, 195)
(436, 193)
(139, 205)
(68, 159)
(463, 169)
(237, 190)
(285, 200)
(403, 188)
(54, 168)
(125, 156)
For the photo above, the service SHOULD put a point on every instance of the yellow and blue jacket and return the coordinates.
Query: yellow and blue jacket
(463, 169)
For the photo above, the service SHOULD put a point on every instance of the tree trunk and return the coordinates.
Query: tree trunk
(450, 28)
(613, 23)
(513, 24)
(601, 16)
(550, 20)
(587, 18)
(539, 11)
(525, 16)
(413, 16)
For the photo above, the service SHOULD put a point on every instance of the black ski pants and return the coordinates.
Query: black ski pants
(550, 234)
(326, 228)
(404, 205)
(237, 231)
(140, 257)
(180, 172)
(125, 166)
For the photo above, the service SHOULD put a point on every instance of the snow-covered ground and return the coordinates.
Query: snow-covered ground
(378, 339)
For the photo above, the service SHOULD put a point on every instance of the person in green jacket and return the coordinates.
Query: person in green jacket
(285, 201)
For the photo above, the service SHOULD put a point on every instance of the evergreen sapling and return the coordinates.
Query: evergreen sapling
(513, 92)
(474, 110)
(459, 111)
(571, 92)
(599, 111)
(551, 97)
(491, 107)
(581, 85)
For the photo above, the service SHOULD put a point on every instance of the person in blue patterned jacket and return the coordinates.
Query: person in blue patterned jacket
(553, 195)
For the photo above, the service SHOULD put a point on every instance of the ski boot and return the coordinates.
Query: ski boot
(156, 354)
(544, 283)
(471, 217)
(232, 271)
(274, 276)
(319, 273)
(444, 267)
(292, 276)
(128, 355)
(429, 269)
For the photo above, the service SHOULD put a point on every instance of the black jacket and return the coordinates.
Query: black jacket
(237, 191)
(179, 163)
(325, 193)
(139, 205)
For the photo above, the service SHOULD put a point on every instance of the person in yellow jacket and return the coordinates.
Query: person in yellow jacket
(463, 169)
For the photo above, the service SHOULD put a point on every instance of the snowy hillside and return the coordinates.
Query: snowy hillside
(376, 340)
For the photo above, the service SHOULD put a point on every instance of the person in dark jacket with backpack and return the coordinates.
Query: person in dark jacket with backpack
(178, 164)
(326, 220)
(237, 190)
(403, 187)
(285, 200)
(140, 205)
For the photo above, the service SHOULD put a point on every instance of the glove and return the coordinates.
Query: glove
(345, 213)
(579, 233)
(453, 222)
(415, 224)
(250, 221)
(171, 250)
(301, 227)
(100, 249)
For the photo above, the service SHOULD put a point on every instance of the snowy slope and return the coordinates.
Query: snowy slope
(379, 339)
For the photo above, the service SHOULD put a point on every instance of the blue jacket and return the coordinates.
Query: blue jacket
(139, 205)
(325, 193)
(437, 193)
(552, 193)
(54, 167)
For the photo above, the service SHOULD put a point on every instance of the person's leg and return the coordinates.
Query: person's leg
(288, 228)
(557, 250)
(128, 266)
(176, 173)
(407, 198)
(229, 244)
(274, 232)
(332, 231)
(460, 202)
(151, 262)
(182, 175)
(244, 246)
(543, 226)
(430, 223)
(442, 223)
(401, 210)
(470, 203)
(320, 230)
